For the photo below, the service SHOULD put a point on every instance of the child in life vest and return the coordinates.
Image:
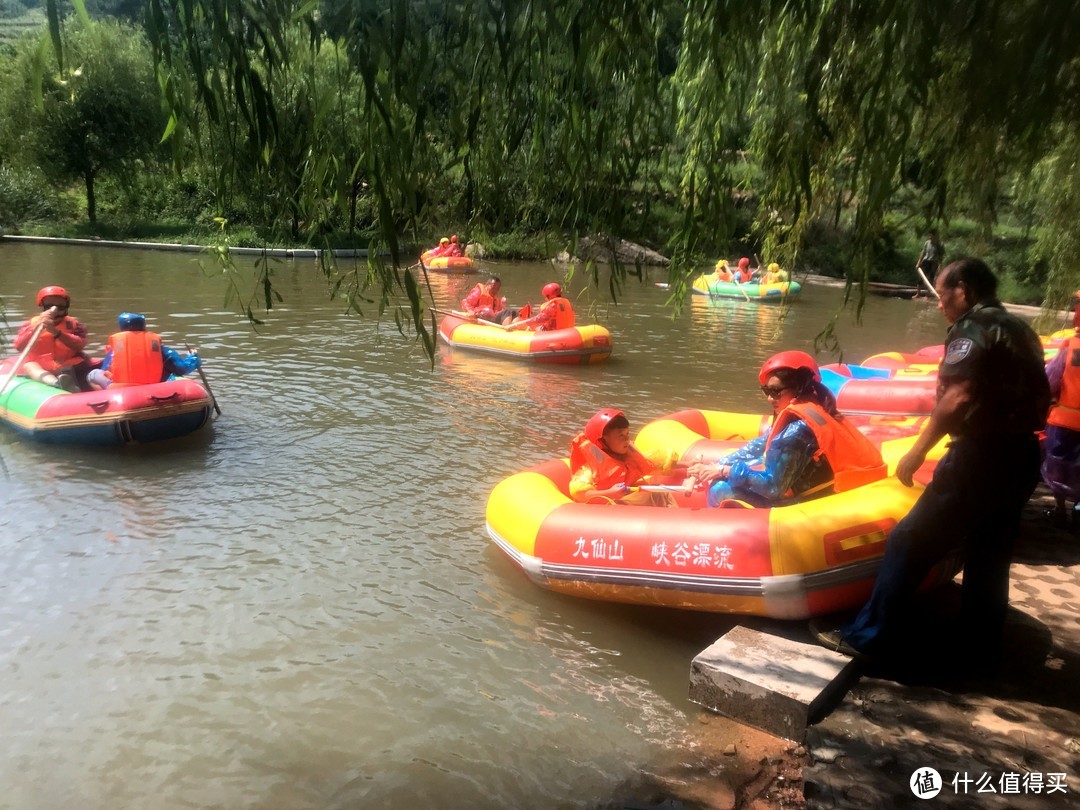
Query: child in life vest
(605, 466)
(138, 357)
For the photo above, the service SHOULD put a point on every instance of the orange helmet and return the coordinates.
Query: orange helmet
(551, 290)
(594, 428)
(48, 292)
(792, 360)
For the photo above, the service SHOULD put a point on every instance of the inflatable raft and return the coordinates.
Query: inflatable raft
(758, 293)
(126, 414)
(578, 344)
(868, 390)
(451, 265)
(788, 562)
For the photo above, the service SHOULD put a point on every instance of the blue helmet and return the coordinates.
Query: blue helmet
(131, 322)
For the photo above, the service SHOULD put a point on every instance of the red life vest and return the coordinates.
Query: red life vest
(484, 300)
(607, 470)
(853, 459)
(1066, 413)
(564, 313)
(49, 352)
(136, 358)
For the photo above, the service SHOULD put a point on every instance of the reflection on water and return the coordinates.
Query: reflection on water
(299, 607)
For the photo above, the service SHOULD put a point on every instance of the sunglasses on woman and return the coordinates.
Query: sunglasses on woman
(774, 391)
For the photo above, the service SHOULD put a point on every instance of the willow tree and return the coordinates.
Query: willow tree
(587, 99)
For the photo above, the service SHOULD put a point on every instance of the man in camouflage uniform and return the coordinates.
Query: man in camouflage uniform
(992, 397)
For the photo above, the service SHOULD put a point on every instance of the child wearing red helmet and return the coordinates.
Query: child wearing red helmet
(604, 465)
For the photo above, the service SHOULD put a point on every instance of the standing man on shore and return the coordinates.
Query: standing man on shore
(930, 258)
(992, 397)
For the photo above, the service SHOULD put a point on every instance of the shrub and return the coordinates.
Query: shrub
(25, 196)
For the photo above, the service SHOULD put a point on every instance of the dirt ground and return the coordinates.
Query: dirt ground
(1015, 735)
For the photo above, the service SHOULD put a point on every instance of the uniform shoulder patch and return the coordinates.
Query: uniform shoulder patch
(957, 350)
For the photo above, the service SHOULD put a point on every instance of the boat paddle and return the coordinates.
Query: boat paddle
(735, 278)
(18, 363)
(467, 316)
(205, 382)
(926, 281)
(664, 488)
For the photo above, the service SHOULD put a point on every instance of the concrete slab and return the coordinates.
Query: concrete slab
(772, 683)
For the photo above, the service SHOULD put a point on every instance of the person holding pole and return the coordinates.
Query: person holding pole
(930, 258)
(55, 353)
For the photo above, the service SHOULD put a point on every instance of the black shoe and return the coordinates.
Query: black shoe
(66, 381)
(1059, 519)
(830, 638)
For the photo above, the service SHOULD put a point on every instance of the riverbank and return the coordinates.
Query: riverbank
(282, 253)
(1015, 735)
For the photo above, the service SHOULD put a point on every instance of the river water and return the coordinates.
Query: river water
(299, 607)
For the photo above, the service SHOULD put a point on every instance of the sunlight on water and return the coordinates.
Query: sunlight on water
(298, 607)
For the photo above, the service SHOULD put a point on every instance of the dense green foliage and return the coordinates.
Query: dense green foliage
(821, 134)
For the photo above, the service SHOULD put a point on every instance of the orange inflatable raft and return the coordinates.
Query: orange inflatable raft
(790, 562)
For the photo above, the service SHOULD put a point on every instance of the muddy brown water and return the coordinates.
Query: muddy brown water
(299, 607)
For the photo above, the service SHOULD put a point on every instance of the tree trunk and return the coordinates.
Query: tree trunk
(91, 200)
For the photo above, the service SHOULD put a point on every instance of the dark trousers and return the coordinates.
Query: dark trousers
(972, 506)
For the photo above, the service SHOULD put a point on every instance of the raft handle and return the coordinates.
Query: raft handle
(173, 395)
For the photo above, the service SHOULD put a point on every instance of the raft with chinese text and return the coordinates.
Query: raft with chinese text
(791, 561)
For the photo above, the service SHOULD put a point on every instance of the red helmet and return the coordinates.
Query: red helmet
(594, 428)
(454, 238)
(552, 290)
(48, 292)
(792, 360)
(744, 263)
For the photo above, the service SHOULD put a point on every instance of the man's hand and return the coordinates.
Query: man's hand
(909, 465)
(50, 319)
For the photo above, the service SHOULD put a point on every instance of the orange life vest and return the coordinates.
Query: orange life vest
(484, 300)
(853, 459)
(724, 274)
(1066, 413)
(607, 470)
(564, 313)
(136, 358)
(52, 354)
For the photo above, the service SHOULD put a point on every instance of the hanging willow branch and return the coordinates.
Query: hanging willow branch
(558, 114)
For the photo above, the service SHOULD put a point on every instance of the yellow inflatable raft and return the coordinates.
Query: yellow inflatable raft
(793, 561)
